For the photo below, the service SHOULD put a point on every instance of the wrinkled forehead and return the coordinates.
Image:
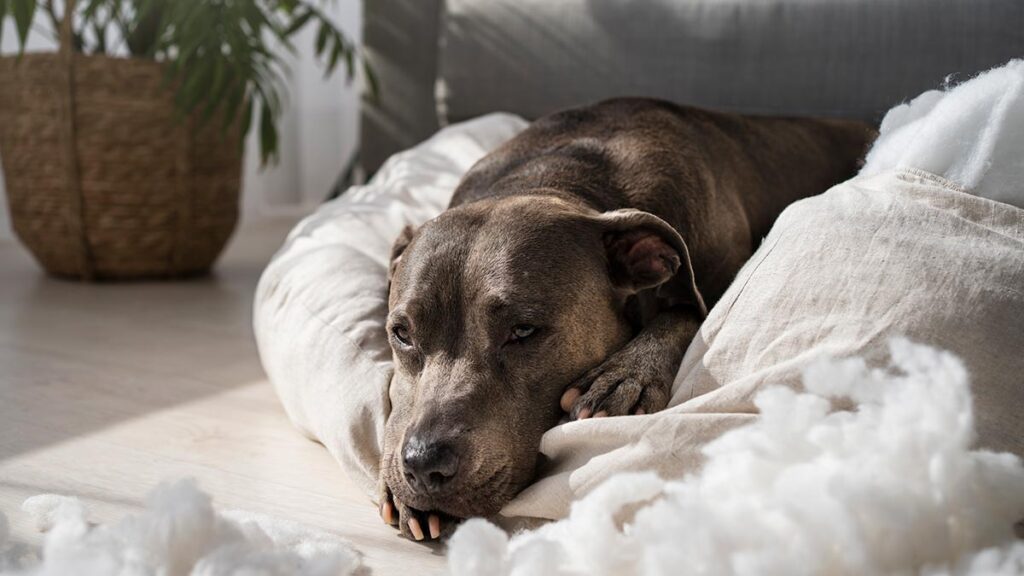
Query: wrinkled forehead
(496, 258)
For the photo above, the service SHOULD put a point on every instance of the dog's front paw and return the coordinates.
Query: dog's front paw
(628, 382)
(414, 524)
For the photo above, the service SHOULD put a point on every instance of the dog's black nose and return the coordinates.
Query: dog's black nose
(429, 465)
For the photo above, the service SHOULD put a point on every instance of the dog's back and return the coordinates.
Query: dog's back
(719, 179)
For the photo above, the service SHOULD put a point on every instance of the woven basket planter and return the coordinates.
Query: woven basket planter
(105, 178)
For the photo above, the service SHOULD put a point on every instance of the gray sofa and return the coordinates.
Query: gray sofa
(445, 61)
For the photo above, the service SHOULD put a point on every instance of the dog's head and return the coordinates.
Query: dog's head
(495, 307)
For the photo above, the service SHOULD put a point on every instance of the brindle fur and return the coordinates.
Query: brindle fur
(536, 234)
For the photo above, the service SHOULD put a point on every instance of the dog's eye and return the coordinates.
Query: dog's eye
(401, 334)
(522, 332)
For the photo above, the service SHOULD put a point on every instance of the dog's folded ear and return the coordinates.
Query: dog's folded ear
(398, 248)
(644, 251)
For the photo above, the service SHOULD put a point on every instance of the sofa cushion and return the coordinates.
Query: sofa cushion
(852, 58)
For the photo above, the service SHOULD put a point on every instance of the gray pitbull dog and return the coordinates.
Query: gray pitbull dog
(570, 272)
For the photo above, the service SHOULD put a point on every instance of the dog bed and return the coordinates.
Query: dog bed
(926, 243)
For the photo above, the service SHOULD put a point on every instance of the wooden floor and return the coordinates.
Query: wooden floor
(107, 390)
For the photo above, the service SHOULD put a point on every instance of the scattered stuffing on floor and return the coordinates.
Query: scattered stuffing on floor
(179, 532)
(892, 487)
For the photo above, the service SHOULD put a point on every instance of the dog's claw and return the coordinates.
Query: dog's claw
(389, 506)
(414, 527)
(628, 382)
(418, 525)
(569, 398)
(434, 523)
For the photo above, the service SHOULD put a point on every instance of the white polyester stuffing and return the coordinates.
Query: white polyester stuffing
(969, 133)
(179, 532)
(892, 487)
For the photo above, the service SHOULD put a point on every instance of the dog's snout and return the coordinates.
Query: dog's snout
(429, 464)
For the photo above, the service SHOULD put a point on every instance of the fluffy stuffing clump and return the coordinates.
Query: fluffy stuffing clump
(179, 532)
(891, 487)
(971, 133)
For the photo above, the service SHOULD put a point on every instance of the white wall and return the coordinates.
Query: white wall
(318, 131)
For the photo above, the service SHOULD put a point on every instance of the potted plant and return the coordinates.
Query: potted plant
(122, 151)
